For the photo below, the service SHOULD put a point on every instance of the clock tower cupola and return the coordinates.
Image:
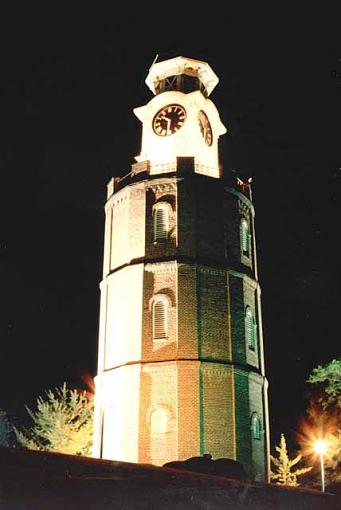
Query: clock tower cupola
(180, 121)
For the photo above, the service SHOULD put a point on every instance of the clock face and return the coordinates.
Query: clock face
(205, 127)
(169, 120)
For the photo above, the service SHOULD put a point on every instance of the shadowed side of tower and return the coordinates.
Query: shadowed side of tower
(180, 357)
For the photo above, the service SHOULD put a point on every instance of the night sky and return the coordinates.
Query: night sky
(68, 84)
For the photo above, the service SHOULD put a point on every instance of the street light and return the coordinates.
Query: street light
(321, 448)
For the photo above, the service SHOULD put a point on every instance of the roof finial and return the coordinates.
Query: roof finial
(155, 59)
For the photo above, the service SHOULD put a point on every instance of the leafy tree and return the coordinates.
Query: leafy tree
(329, 376)
(324, 413)
(62, 422)
(284, 474)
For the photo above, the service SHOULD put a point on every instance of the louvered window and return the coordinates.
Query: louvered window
(250, 329)
(256, 427)
(160, 319)
(161, 223)
(245, 237)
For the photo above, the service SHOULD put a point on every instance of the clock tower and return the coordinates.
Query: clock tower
(180, 355)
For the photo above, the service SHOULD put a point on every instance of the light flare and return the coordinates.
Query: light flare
(317, 439)
(321, 446)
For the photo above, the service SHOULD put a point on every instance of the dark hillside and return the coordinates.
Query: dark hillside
(44, 481)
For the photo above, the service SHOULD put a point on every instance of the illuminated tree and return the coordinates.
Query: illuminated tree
(324, 412)
(62, 422)
(329, 379)
(284, 474)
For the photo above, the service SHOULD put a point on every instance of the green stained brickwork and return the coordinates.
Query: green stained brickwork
(242, 412)
(237, 319)
(218, 401)
(187, 311)
(212, 303)
(257, 408)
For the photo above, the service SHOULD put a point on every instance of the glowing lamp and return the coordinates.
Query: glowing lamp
(321, 446)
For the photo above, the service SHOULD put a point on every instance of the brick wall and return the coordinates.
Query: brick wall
(242, 410)
(188, 405)
(213, 330)
(160, 279)
(237, 318)
(256, 404)
(158, 392)
(187, 312)
(218, 411)
(202, 379)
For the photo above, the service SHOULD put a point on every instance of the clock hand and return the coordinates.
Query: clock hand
(169, 121)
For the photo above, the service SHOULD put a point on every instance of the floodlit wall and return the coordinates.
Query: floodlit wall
(123, 336)
(194, 390)
(117, 405)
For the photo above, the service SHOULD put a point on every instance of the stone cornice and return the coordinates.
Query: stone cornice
(162, 267)
(211, 270)
(162, 187)
(171, 263)
(253, 283)
(159, 184)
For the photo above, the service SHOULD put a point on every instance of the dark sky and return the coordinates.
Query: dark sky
(68, 84)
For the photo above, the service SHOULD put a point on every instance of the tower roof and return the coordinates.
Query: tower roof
(182, 65)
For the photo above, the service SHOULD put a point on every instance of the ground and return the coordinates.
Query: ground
(45, 481)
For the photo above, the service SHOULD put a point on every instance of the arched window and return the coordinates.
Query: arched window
(161, 222)
(159, 421)
(245, 239)
(160, 318)
(256, 426)
(250, 329)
